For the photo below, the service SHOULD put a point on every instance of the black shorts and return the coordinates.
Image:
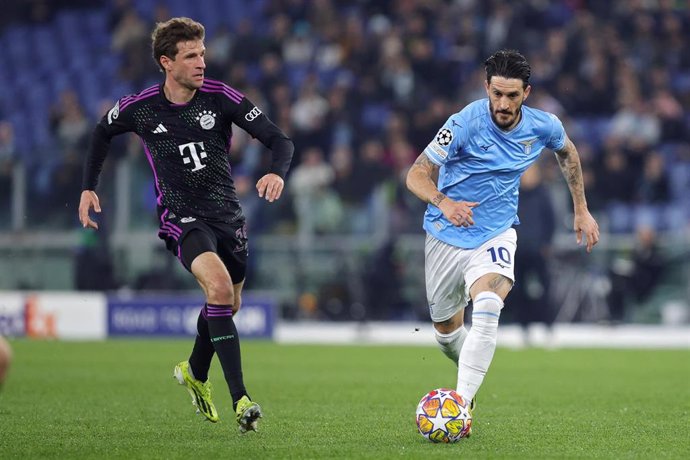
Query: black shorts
(187, 237)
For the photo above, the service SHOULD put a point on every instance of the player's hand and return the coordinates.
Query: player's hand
(459, 213)
(88, 200)
(585, 223)
(270, 187)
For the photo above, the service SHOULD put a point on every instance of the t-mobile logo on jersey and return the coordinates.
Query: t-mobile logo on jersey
(196, 151)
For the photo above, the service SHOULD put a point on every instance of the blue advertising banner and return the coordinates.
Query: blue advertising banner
(12, 314)
(167, 315)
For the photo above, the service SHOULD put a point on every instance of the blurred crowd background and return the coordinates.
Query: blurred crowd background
(361, 87)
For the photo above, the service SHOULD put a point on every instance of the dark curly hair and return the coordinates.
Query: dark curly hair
(508, 64)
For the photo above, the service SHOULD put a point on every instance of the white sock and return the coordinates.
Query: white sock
(451, 344)
(478, 351)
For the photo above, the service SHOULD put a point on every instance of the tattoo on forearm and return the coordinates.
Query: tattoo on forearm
(424, 174)
(569, 163)
(436, 200)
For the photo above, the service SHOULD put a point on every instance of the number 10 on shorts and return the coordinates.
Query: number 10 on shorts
(499, 254)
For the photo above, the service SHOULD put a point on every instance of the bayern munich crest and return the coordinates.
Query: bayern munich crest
(207, 119)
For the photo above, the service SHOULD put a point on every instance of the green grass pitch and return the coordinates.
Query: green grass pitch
(117, 399)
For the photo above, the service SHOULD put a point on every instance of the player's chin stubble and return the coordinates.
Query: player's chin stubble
(506, 124)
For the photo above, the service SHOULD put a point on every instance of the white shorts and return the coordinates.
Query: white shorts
(450, 271)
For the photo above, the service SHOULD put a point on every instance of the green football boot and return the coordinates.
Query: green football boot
(200, 391)
(248, 414)
(471, 408)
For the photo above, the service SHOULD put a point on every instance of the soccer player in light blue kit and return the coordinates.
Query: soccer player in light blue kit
(470, 176)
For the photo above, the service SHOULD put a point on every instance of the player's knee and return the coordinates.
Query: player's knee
(5, 359)
(494, 283)
(220, 292)
(447, 338)
(450, 325)
(237, 304)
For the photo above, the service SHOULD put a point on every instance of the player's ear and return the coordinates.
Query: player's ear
(486, 87)
(166, 62)
(526, 94)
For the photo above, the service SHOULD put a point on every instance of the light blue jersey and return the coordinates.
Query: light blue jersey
(481, 163)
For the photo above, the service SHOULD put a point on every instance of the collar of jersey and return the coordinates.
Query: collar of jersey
(172, 104)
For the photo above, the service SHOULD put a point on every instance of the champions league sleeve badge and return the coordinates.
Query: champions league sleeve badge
(444, 137)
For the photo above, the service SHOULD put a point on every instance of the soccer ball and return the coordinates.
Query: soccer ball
(443, 416)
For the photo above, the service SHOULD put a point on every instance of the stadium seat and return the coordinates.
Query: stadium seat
(621, 218)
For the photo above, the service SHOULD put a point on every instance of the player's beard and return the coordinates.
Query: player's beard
(505, 124)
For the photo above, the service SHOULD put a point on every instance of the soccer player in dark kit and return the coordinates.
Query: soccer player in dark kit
(186, 127)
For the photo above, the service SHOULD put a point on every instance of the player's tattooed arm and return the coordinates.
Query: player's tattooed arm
(422, 179)
(436, 200)
(583, 223)
(569, 162)
(426, 164)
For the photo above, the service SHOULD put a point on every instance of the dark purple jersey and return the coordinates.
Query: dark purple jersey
(187, 146)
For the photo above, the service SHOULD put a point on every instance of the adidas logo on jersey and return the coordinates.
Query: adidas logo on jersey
(160, 129)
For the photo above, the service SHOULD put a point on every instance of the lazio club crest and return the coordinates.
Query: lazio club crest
(528, 145)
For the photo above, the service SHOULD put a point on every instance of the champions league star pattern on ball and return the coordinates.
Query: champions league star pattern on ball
(443, 416)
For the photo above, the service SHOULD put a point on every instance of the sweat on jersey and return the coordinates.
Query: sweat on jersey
(188, 146)
(480, 162)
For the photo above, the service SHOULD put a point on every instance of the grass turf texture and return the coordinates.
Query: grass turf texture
(117, 399)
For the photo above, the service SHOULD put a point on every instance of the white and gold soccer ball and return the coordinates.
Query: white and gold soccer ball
(443, 416)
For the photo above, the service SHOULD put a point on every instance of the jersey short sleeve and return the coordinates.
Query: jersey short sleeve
(556, 140)
(447, 143)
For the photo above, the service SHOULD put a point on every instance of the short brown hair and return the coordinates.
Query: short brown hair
(168, 34)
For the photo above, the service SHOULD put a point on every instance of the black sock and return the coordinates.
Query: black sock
(202, 353)
(226, 342)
